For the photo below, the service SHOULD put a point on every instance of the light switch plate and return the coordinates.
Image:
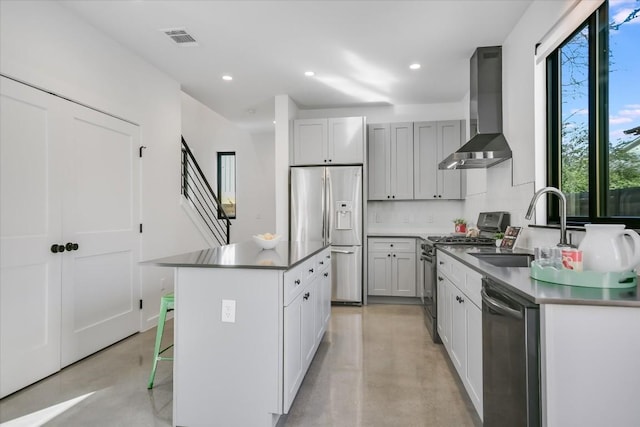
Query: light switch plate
(229, 311)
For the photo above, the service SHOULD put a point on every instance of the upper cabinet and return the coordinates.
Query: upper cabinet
(328, 141)
(390, 161)
(433, 141)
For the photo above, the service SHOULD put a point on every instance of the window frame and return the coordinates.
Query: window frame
(221, 213)
(598, 122)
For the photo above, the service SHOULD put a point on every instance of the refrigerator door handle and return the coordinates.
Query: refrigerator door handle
(341, 251)
(324, 206)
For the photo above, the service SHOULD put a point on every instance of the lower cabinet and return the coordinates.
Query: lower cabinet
(392, 267)
(306, 319)
(460, 322)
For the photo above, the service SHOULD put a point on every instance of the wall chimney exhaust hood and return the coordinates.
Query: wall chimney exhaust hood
(487, 146)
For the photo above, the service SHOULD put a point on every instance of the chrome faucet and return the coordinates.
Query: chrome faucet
(563, 212)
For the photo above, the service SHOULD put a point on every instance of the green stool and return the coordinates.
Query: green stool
(166, 305)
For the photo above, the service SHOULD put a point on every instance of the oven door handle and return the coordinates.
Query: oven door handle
(426, 258)
(500, 308)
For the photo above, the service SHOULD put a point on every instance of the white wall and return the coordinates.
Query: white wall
(510, 185)
(44, 44)
(206, 133)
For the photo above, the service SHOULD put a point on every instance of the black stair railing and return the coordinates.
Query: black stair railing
(197, 190)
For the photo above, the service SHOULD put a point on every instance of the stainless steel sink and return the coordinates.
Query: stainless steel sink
(505, 259)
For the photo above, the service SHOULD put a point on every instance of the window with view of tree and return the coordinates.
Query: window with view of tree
(594, 117)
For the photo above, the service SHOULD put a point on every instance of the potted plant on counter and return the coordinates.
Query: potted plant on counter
(498, 237)
(460, 225)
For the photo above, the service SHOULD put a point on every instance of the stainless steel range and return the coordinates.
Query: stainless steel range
(489, 223)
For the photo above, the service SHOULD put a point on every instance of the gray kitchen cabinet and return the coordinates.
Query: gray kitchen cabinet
(390, 161)
(460, 322)
(433, 141)
(392, 267)
(328, 141)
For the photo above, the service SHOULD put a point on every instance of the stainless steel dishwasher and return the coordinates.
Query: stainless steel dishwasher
(510, 358)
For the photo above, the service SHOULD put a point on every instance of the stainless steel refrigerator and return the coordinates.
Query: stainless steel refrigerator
(326, 205)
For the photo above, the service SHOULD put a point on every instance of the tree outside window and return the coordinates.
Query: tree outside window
(594, 116)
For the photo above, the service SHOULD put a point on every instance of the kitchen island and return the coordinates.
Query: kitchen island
(247, 325)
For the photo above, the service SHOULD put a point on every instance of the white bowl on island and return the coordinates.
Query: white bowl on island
(267, 240)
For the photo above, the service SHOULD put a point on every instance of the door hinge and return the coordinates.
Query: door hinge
(141, 227)
(140, 304)
(142, 147)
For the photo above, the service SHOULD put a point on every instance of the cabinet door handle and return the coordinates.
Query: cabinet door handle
(388, 197)
(391, 244)
(440, 278)
(394, 255)
(457, 298)
(441, 262)
(311, 270)
(306, 296)
(393, 197)
(388, 255)
(297, 281)
(321, 262)
(326, 274)
(440, 195)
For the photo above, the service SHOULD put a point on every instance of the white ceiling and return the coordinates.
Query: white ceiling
(359, 50)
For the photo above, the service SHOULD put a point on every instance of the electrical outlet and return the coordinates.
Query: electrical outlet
(229, 311)
(163, 284)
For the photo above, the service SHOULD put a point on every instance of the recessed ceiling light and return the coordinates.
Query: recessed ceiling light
(227, 77)
(274, 122)
(309, 73)
(415, 66)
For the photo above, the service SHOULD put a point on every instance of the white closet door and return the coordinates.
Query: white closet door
(30, 222)
(100, 281)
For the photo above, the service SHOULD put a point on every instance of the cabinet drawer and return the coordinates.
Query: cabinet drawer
(394, 245)
(451, 268)
(296, 278)
(323, 260)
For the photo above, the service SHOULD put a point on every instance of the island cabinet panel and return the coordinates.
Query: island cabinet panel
(243, 366)
(223, 368)
(293, 329)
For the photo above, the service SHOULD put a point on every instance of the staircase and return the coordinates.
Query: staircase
(195, 188)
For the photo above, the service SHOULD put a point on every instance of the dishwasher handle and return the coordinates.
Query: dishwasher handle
(499, 307)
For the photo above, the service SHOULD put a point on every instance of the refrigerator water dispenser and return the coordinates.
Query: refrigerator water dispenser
(344, 216)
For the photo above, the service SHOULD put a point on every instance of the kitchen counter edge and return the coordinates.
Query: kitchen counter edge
(518, 280)
(244, 255)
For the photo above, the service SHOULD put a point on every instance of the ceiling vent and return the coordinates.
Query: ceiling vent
(180, 36)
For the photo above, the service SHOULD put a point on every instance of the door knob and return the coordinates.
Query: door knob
(71, 246)
(55, 248)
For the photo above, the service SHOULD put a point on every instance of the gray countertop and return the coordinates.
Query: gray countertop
(518, 280)
(244, 255)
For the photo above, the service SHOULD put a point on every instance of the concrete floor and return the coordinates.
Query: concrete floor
(376, 366)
